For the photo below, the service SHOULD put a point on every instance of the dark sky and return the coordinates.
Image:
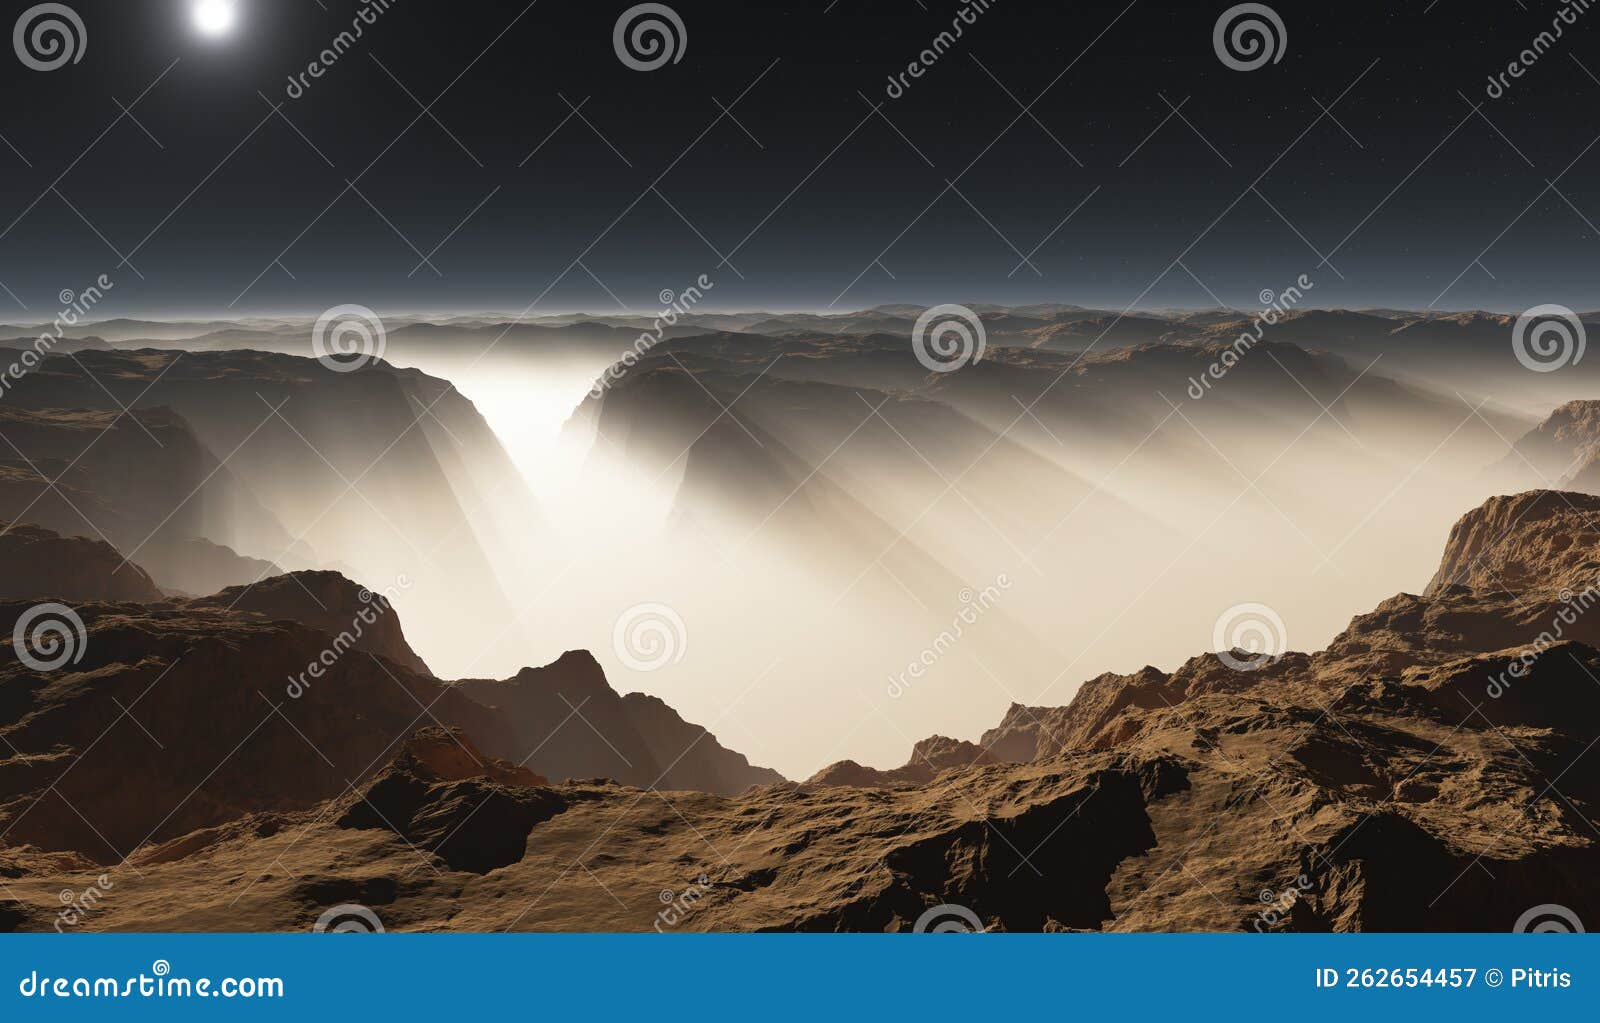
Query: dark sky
(858, 187)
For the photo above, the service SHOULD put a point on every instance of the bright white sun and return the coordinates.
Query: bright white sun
(214, 17)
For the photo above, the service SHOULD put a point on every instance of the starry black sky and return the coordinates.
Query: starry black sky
(1362, 144)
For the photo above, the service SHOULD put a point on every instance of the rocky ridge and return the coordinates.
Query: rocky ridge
(1404, 778)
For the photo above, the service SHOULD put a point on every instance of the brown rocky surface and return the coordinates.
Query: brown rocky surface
(441, 794)
(330, 603)
(697, 760)
(577, 726)
(1561, 451)
(181, 716)
(1405, 778)
(38, 562)
(1541, 541)
(929, 758)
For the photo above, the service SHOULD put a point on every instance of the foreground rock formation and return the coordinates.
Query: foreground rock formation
(1427, 771)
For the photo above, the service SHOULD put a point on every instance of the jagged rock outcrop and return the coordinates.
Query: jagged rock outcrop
(568, 722)
(1561, 451)
(1032, 733)
(696, 759)
(928, 758)
(1542, 541)
(474, 812)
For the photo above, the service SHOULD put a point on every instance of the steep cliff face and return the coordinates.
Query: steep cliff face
(142, 481)
(1559, 452)
(383, 469)
(1542, 541)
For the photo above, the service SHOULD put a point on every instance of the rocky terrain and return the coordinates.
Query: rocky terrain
(1426, 771)
(387, 471)
(220, 744)
(328, 602)
(34, 560)
(928, 758)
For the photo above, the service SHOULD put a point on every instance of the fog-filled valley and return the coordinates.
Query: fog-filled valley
(1094, 494)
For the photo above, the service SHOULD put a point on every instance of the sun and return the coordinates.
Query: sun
(214, 18)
